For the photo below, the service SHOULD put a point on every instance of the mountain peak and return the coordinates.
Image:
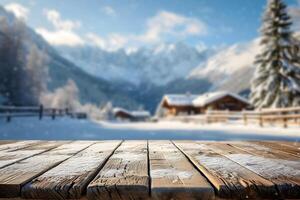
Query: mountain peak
(157, 65)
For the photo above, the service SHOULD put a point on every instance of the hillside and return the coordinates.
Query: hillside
(231, 68)
(114, 79)
(91, 89)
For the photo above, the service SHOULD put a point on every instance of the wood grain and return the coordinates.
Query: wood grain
(8, 156)
(283, 173)
(149, 170)
(18, 145)
(124, 176)
(14, 176)
(2, 142)
(280, 147)
(292, 144)
(173, 176)
(69, 179)
(230, 179)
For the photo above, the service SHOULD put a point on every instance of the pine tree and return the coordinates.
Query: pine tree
(276, 82)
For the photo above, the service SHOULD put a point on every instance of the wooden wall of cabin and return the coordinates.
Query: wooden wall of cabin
(227, 103)
(181, 110)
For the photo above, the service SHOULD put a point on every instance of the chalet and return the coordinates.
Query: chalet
(126, 115)
(172, 105)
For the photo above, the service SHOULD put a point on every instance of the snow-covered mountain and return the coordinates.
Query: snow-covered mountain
(116, 86)
(235, 62)
(143, 76)
(229, 68)
(158, 65)
(91, 89)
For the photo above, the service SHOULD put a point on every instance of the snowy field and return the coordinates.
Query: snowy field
(69, 129)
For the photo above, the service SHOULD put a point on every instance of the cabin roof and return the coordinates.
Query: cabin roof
(136, 113)
(199, 100)
(208, 98)
(180, 99)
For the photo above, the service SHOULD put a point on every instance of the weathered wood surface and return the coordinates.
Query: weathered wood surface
(70, 178)
(279, 147)
(18, 145)
(124, 176)
(269, 153)
(291, 144)
(16, 175)
(2, 142)
(230, 179)
(284, 173)
(8, 157)
(149, 170)
(173, 176)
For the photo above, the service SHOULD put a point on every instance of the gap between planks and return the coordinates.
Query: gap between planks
(69, 179)
(14, 176)
(285, 174)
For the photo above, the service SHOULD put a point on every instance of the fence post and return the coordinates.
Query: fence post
(53, 113)
(285, 122)
(41, 112)
(245, 118)
(227, 116)
(261, 123)
(207, 117)
(8, 117)
(67, 111)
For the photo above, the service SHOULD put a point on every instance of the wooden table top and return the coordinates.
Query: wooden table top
(149, 170)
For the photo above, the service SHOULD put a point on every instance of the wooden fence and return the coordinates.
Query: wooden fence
(284, 116)
(9, 112)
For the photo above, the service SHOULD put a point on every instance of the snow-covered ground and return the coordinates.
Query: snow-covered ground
(66, 128)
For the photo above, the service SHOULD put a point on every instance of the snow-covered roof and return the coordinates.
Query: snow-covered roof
(136, 113)
(199, 100)
(116, 110)
(141, 113)
(208, 98)
(180, 99)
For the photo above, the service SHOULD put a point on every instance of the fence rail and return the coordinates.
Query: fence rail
(9, 112)
(284, 116)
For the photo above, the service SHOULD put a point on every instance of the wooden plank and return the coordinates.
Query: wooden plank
(18, 145)
(69, 179)
(13, 177)
(283, 173)
(173, 176)
(279, 147)
(8, 157)
(295, 144)
(2, 142)
(267, 152)
(124, 176)
(230, 179)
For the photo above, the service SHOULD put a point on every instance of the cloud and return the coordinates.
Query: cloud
(108, 10)
(54, 17)
(163, 26)
(111, 43)
(64, 30)
(172, 24)
(20, 11)
(60, 37)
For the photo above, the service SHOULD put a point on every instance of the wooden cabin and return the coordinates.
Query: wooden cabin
(126, 115)
(173, 105)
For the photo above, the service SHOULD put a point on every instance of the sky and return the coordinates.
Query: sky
(130, 24)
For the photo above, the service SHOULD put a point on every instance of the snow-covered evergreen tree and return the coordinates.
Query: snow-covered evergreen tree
(276, 82)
